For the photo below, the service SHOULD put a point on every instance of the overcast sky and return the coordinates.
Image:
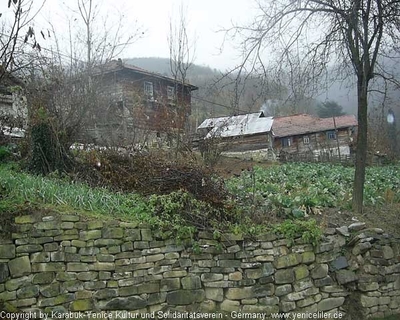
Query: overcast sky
(205, 18)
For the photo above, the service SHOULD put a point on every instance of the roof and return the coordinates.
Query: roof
(118, 65)
(304, 123)
(241, 125)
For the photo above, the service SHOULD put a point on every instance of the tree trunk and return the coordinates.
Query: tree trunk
(361, 154)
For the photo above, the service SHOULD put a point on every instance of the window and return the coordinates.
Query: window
(170, 93)
(306, 139)
(331, 135)
(148, 90)
(286, 142)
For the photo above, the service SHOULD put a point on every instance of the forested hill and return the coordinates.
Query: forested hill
(196, 73)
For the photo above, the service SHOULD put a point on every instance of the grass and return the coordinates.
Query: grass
(18, 188)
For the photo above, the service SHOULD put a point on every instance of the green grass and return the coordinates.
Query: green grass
(18, 187)
(168, 214)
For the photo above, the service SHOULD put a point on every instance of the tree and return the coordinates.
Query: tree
(181, 59)
(355, 34)
(330, 109)
(16, 34)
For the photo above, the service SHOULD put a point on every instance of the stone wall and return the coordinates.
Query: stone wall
(68, 264)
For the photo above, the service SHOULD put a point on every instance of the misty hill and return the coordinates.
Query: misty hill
(204, 77)
(196, 73)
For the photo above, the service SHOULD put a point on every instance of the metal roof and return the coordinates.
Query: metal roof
(241, 125)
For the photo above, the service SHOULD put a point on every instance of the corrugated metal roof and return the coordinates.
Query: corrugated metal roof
(304, 123)
(241, 125)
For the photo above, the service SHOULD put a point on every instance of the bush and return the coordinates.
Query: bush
(5, 153)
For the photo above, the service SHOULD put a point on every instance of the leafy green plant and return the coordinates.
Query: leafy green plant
(308, 230)
(5, 153)
(295, 190)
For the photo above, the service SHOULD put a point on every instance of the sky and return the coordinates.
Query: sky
(205, 20)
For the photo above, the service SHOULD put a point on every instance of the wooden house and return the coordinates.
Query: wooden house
(307, 134)
(138, 105)
(239, 133)
(300, 134)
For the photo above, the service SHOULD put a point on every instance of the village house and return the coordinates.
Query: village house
(282, 137)
(239, 133)
(304, 134)
(13, 107)
(138, 106)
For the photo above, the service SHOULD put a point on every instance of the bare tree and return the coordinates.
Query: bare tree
(355, 34)
(16, 34)
(181, 59)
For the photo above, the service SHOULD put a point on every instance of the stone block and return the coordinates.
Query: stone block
(4, 272)
(73, 285)
(320, 271)
(191, 283)
(368, 286)
(25, 219)
(345, 276)
(94, 285)
(301, 272)
(330, 303)
(106, 294)
(65, 276)
(215, 294)
(287, 306)
(175, 274)
(170, 284)
(327, 281)
(48, 225)
(269, 301)
(87, 276)
(77, 267)
(30, 291)
(50, 290)
(387, 252)
(20, 266)
(82, 305)
(90, 235)
(14, 284)
(302, 285)
(239, 293)
(7, 251)
(29, 248)
(283, 290)
(132, 234)
(107, 242)
(263, 290)
(287, 261)
(146, 235)
(229, 263)
(368, 302)
(284, 276)
(103, 266)
(149, 287)
(43, 278)
(230, 306)
(55, 301)
(112, 233)
(339, 263)
(185, 297)
(53, 246)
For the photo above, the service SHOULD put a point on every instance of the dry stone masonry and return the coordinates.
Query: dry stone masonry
(69, 264)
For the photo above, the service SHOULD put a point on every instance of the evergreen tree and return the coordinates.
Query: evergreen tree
(330, 109)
